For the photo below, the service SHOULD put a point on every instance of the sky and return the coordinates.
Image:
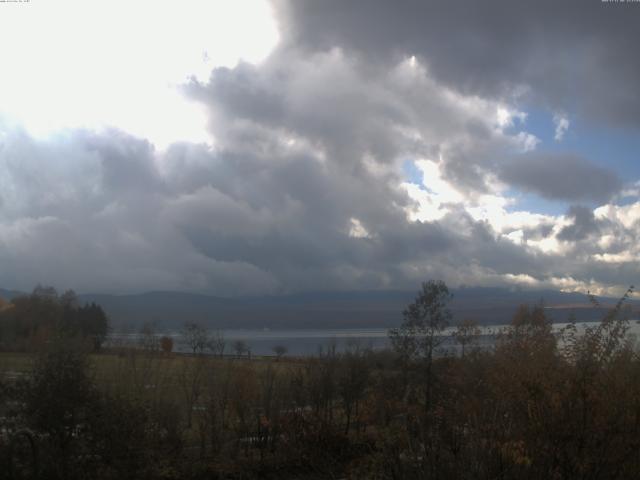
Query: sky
(253, 147)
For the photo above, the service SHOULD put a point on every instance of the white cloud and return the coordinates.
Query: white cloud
(522, 279)
(616, 257)
(561, 122)
(437, 196)
(627, 215)
(505, 116)
(357, 230)
(528, 142)
(517, 236)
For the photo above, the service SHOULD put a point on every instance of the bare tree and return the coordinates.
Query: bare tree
(195, 336)
(280, 351)
(217, 343)
(148, 338)
(240, 347)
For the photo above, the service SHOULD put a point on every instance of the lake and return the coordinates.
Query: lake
(305, 342)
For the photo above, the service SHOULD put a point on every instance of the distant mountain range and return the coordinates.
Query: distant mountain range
(169, 310)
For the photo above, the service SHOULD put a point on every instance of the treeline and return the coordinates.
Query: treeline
(539, 405)
(29, 322)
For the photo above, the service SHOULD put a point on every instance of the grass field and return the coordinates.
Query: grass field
(113, 367)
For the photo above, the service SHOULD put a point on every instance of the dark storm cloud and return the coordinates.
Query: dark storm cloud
(560, 176)
(353, 115)
(314, 141)
(127, 162)
(224, 222)
(76, 215)
(538, 232)
(574, 55)
(234, 223)
(584, 224)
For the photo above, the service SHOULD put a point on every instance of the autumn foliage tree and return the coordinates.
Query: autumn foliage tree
(29, 322)
(166, 344)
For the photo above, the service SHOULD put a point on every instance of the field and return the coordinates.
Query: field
(106, 367)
